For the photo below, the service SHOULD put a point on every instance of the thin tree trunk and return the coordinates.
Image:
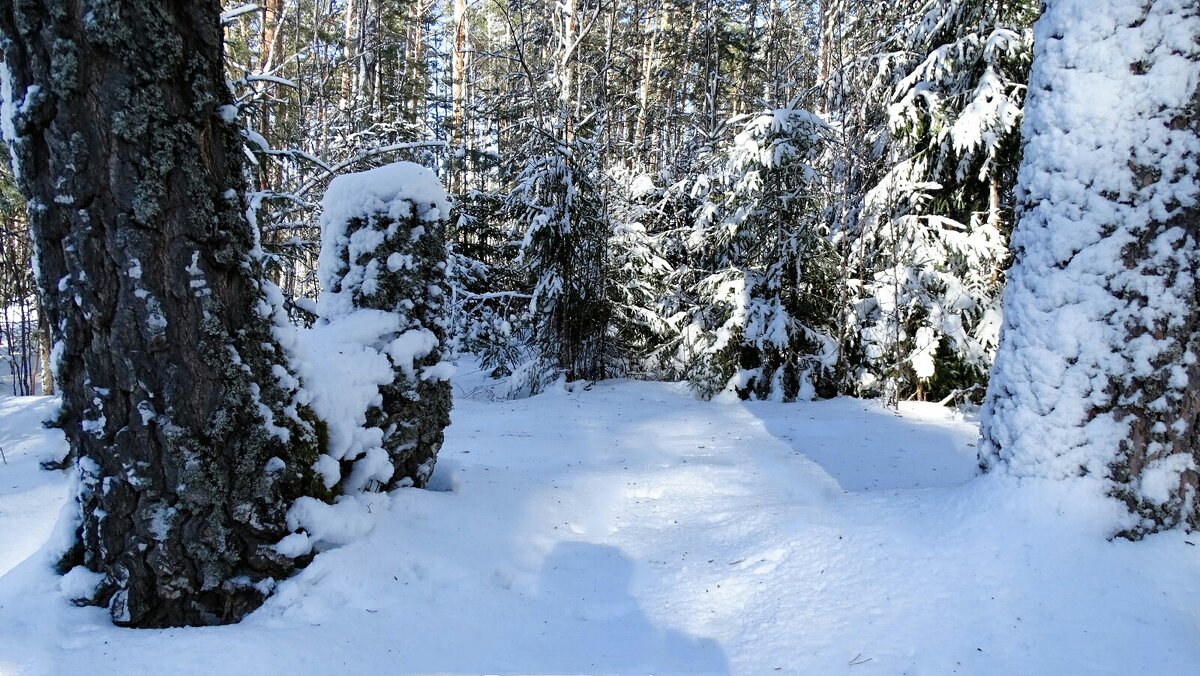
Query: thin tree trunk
(271, 16)
(348, 55)
(647, 73)
(458, 91)
(824, 49)
(45, 349)
(566, 68)
(418, 56)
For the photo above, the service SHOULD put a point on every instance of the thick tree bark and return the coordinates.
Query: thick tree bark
(189, 451)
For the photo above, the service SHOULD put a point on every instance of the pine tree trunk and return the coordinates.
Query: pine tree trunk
(824, 47)
(189, 451)
(566, 69)
(417, 104)
(1098, 370)
(657, 19)
(458, 70)
(349, 55)
(268, 58)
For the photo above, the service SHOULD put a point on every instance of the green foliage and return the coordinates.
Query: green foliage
(933, 247)
(566, 229)
(763, 315)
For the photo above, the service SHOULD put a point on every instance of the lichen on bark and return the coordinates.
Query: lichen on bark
(189, 449)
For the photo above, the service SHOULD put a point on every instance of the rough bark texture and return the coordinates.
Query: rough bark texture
(163, 331)
(1161, 405)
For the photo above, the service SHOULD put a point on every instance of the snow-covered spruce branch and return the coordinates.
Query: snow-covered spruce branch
(241, 10)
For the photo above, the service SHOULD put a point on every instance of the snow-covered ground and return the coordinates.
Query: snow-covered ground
(629, 528)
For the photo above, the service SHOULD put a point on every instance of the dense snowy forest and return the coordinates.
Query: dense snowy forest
(254, 253)
(776, 198)
(782, 199)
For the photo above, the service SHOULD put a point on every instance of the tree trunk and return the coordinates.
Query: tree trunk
(566, 69)
(45, 347)
(647, 75)
(269, 47)
(189, 450)
(1098, 373)
(349, 56)
(824, 46)
(458, 97)
(417, 105)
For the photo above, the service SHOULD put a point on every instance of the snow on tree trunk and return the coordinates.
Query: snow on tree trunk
(1098, 373)
(383, 261)
(177, 399)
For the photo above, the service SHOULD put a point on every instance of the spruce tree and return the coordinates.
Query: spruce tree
(934, 244)
(556, 201)
(763, 300)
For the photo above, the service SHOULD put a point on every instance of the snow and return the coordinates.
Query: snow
(443, 370)
(630, 528)
(228, 114)
(9, 107)
(80, 583)
(409, 347)
(1079, 325)
(394, 190)
(27, 491)
(922, 358)
(342, 371)
(347, 520)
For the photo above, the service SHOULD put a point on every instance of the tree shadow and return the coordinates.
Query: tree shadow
(594, 624)
(866, 447)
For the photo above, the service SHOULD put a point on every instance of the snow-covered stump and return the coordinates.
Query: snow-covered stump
(383, 251)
